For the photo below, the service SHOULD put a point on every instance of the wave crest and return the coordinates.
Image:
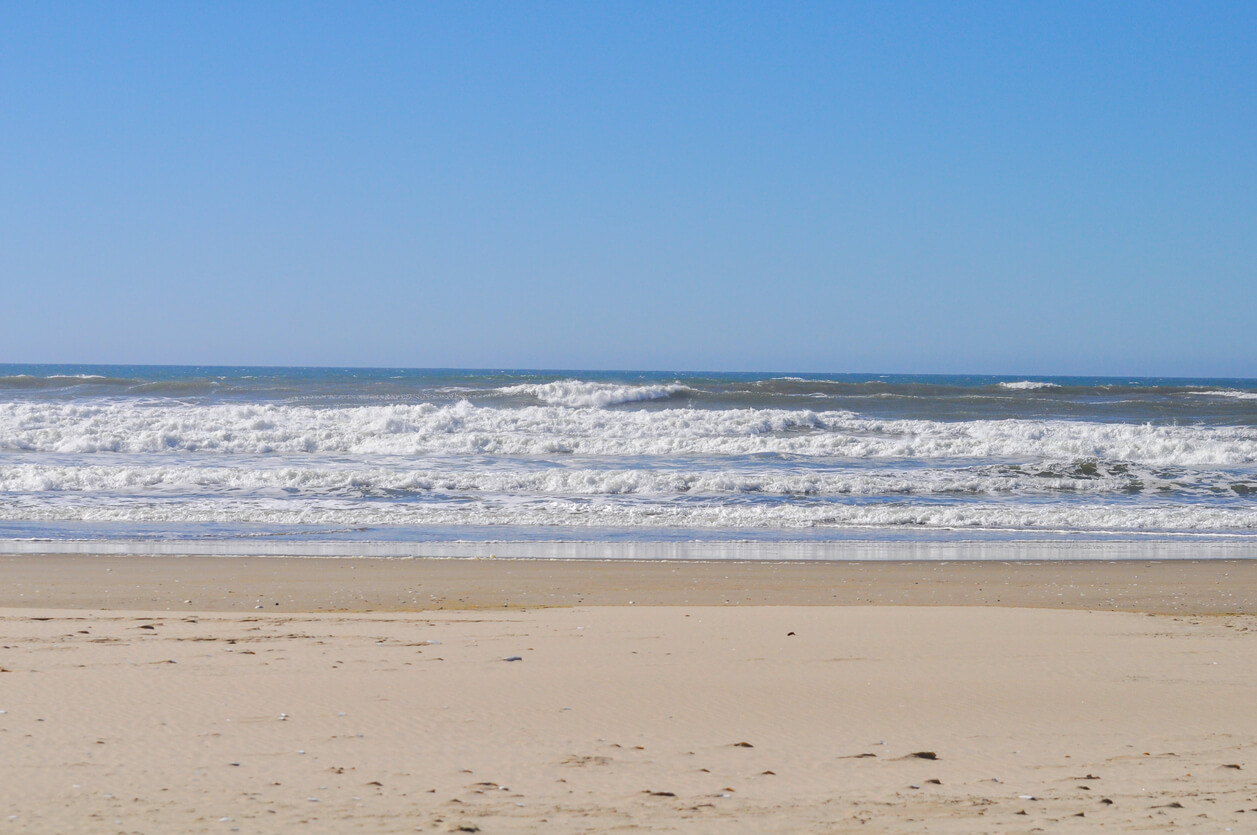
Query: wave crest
(1028, 385)
(465, 429)
(582, 394)
(1232, 393)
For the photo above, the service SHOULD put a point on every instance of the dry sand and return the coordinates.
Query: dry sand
(625, 717)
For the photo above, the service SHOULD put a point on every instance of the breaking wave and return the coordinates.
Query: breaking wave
(579, 393)
(346, 512)
(1029, 385)
(195, 451)
(1237, 395)
(465, 429)
(291, 478)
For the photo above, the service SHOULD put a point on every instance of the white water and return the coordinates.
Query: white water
(464, 429)
(363, 456)
(1028, 385)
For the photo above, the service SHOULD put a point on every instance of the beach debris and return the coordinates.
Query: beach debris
(924, 755)
(913, 786)
(378, 783)
(770, 773)
(1173, 805)
(857, 756)
(1026, 797)
(283, 717)
(513, 658)
(1106, 801)
(789, 634)
(466, 827)
(658, 794)
(1235, 766)
(935, 782)
(743, 744)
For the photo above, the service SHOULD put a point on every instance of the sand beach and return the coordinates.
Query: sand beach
(159, 694)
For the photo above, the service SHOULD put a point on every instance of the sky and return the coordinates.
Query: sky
(950, 187)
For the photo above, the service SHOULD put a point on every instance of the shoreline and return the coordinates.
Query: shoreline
(925, 546)
(362, 584)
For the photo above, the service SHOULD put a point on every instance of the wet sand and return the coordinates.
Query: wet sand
(287, 584)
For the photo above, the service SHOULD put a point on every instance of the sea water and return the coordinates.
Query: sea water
(531, 463)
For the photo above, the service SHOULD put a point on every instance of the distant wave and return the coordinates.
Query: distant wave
(1238, 395)
(30, 381)
(1029, 385)
(175, 387)
(579, 393)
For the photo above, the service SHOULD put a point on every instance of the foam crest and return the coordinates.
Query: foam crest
(1028, 385)
(1232, 393)
(583, 394)
(989, 516)
(295, 479)
(464, 429)
(51, 381)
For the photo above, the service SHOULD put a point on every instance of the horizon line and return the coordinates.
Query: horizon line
(607, 370)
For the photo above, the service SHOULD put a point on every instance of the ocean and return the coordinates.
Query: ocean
(441, 462)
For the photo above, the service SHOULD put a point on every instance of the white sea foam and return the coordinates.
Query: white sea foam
(188, 456)
(296, 479)
(609, 513)
(1029, 385)
(464, 429)
(579, 393)
(1237, 395)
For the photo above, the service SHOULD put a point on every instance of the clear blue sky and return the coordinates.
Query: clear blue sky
(885, 187)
